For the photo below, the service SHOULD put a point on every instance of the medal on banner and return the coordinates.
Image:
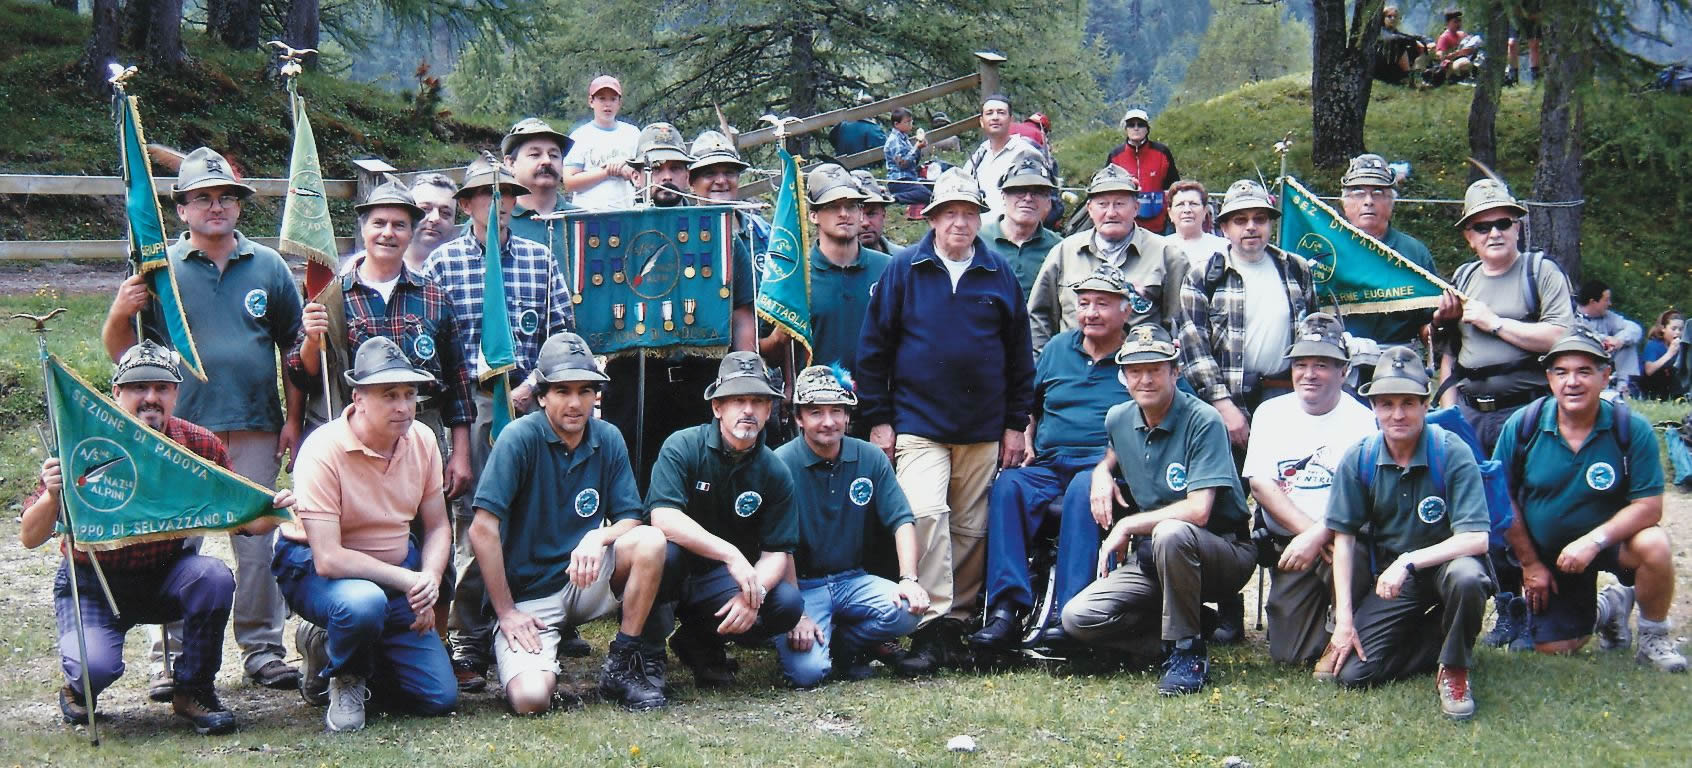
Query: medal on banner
(704, 229)
(705, 262)
(616, 268)
(616, 229)
(618, 312)
(687, 265)
(669, 310)
(681, 229)
(598, 271)
(593, 236)
(640, 319)
(688, 306)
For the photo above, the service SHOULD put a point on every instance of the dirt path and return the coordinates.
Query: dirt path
(25, 279)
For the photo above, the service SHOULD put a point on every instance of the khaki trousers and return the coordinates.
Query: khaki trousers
(1185, 566)
(947, 487)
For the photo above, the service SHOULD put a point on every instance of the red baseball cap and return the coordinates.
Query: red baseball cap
(602, 82)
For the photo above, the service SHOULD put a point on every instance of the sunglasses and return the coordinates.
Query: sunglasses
(1496, 225)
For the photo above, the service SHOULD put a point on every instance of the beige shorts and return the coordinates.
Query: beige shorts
(568, 607)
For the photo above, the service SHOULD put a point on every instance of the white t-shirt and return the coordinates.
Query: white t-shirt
(1201, 249)
(594, 147)
(994, 164)
(1268, 318)
(1301, 451)
(386, 287)
(956, 269)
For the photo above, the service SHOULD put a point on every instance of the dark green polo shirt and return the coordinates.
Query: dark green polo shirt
(547, 497)
(1401, 513)
(1187, 451)
(836, 501)
(1025, 259)
(551, 233)
(1565, 494)
(745, 499)
(839, 298)
(1072, 394)
(240, 318)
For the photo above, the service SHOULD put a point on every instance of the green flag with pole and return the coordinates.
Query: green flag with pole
(784, 295)
(126, 483)
(498, 346)
(306, 230)
(1353, 270)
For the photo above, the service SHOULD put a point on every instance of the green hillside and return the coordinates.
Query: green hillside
(1638, 170)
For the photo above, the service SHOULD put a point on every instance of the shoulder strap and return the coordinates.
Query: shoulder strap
(1213, 273)
(1527, 430)
(1460, 278)
(1435, 442)
(1624, 436)
(1369, 459)
(1530, 273)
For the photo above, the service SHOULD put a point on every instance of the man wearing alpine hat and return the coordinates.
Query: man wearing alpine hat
(535, 152)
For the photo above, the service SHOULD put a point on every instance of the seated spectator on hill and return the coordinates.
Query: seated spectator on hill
(1457, 51)
(1659, 379)
(1620, 335)
(1396, 52)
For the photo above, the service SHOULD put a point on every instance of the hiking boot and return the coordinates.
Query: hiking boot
(472, 678)
(1230, 614)
(656, 665)
(1615, 608)
(624, 678)
(1506, 617)
(72, 707)
(706, 657)
(1326, 670)
(347, 694)
(1524, 628)
(927, 648)
(1000, 632)
(1657, 649)
(312, 642)
(853, 668)
(1186, 668)
(277, 674)
(200, 706)
(894, 657)
(161, 687)
(1455, 699)
(571, 645)
(954, 644)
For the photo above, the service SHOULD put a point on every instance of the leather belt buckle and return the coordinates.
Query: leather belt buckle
(1484, 403)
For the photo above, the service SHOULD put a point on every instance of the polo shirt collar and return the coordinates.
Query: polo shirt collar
(588, 445)
(243, 247)
(1177, 409)
(348, 440)
(1417, 459)
(714, 441)
(558, 205)
(822, 262)
(924, 251)
(1548, 418)
(848, 453)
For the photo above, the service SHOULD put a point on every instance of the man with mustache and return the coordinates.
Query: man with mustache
(872, 231)
(1584, 506)
(350, 563)
(725, 502)
(152, 581)
(1018, 233)
(243, 308)
(538, 305)
(596, 169)
(714, 175)
(1518, 306)
(535, 153)
(559, 536)
(1155, 267)
(1186, 526)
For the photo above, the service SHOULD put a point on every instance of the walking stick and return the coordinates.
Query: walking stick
(40, 332)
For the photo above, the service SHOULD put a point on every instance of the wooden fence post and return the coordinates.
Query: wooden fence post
(987, 66)
(370, 170)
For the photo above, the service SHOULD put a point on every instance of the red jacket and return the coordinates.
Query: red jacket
(1154, 166)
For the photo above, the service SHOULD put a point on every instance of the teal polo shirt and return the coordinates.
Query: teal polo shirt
(1072, 395)
(1025, 259)
(838, 500)
(1187, 451)
(839, 298)
(551, 233)
(745, 499)
(547, 497)
(1565, 494)
(240, 319)
(1403, 326)
(1401, 513)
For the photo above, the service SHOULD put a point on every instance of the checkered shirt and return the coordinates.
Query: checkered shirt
(1213, 326)
(533, 284)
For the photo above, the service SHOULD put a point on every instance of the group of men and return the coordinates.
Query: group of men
(959, 390)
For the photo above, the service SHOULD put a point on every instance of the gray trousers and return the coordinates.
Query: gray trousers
(469, 627)
(1434, 620)
(1188, 566)
(1298, 606)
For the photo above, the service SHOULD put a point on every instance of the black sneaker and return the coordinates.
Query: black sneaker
(927, 648)
(1186, 668)
(954, 644)
(571, 645)
(72, 707)
(201, 707)
(1000, 632)
(706, 656)
(1230, 617)
(624, 678)
(312, 642)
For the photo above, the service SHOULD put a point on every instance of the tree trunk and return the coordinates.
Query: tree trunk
(1483, 110)
(234, 22)
(1342, 78)
(1555, 226)
(101, 47)
(300, 29)
(801, 80)
(154, 27)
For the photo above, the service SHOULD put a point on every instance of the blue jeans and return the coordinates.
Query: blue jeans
(694, 598)
(369, 633)
(854, 610)
(196, 589)
(909, 192)
(1016, 508)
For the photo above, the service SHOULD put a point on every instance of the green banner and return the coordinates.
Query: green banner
(1351, 269)
(126, 483)
(147, 247)
(498, 346)
(306, 230)
(784, 296)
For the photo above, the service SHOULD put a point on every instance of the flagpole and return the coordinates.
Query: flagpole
(117, 80)
(40, 332)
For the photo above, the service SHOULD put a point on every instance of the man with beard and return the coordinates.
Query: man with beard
(1155, 268)
(434, 194)
(674, 382)
(243, 308)
(152, 581)
(872, 230)
(535, 152)
(1018, 233)
(722, 499)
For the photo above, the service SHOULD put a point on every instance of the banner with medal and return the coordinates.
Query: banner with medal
(658, 279)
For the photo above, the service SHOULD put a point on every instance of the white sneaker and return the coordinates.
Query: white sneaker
(1615, 609)
(1657, 649)
(347, 694)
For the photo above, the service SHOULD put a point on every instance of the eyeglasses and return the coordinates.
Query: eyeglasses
(1138, 124)
(1017, 192)
(1499, 225)
(1372, 193)
(205, 201)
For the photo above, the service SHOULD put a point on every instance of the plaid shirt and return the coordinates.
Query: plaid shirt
(902, 156)
(1213, 320)
(534, 288)
(148, 555)
(418, 316)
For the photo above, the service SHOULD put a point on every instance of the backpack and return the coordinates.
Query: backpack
(1494, 484)
(1527, 431)
(1530, 278)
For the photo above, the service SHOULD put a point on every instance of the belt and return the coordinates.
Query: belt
(1490, 403)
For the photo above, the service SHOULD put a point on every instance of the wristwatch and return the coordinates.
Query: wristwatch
(1409, 570)
(903, 579)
